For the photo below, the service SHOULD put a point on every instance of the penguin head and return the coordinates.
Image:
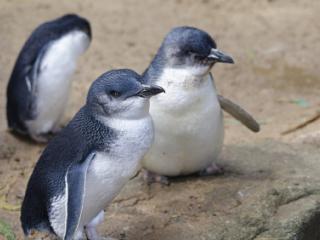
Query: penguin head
(189, 47)
(71, 22)
(57, 28)
(120, 94)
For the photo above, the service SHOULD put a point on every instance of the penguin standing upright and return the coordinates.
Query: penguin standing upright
(85, 166)
(40, 82)
(189, 129)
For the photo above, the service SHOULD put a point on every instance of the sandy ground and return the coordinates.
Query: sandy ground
(276, 77)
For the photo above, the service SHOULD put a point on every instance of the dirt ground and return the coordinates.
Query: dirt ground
(276, 48)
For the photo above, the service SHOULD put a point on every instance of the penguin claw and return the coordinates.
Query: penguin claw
(212, 169)
(150, 177)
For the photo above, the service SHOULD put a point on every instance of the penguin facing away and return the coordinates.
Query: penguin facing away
(40, 82)
(189, 128)
(85, 166)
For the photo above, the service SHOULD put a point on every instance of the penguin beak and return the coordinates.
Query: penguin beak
(218, 56)
(149, 91)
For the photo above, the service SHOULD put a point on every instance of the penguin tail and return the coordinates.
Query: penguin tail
(15, 125)
(33, 216)
(29, 229)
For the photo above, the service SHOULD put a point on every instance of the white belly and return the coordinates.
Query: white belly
(54, 81)
(105, 178)
(188, 129)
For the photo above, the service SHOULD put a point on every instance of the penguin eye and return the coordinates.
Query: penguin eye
(190, 53)
(114, 94)
(199, 57)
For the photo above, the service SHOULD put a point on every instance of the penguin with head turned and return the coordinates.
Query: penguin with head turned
(40, 82)
(189, 128)
(85, 166)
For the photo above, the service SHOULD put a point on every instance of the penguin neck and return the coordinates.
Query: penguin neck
(187, 78)
(119, 122)
(76, 41)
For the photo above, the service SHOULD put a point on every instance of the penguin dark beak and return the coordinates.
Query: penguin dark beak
(149, 91)
(218, 56)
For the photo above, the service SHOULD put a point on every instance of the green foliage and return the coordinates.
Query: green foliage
(6, 231)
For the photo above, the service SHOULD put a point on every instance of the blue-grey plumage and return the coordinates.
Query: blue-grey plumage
(40, 81)
(188, 121)
(84, 167)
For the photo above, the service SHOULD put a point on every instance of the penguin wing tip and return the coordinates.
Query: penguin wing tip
(256, 128)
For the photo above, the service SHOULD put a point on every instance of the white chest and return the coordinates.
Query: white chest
(108, 172)
(54, 81)
(188, 125)
(188, 105)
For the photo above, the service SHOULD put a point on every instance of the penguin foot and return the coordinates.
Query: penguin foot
(150, 177)
(56, 130)
(212, 169)
(92, 234)
(41, 138)
(90, 229)
(39, 235)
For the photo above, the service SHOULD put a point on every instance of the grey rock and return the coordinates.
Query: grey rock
(271, 190)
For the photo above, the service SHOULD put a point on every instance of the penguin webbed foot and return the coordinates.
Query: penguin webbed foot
(92, 233)
(46, 137)
(35, 234)
(56, 130)
(90, 229)
(151, 177)
(212, 170)
(41, 138)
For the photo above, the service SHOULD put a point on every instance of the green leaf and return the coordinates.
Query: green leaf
(301, 102)
(6, 230)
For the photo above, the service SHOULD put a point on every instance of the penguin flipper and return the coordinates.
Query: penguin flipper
(22, 90)
(32, 76)
(76, 179)
(239, 113)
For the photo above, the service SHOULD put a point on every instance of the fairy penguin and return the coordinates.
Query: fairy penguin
(85, 166)
(188, 120)
(40, 82)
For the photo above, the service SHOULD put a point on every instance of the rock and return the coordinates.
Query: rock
(309, 138)
(6, 152)
(271, 190)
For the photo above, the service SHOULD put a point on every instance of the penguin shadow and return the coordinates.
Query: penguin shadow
(228, 172)
(198, 176)
(189, 177)
(23, 137)
(28, 140)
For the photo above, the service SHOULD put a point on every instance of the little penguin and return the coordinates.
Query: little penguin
(40, 82)
(85, 166)
(189, 128)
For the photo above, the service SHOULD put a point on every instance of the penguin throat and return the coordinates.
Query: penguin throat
(188, 77)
